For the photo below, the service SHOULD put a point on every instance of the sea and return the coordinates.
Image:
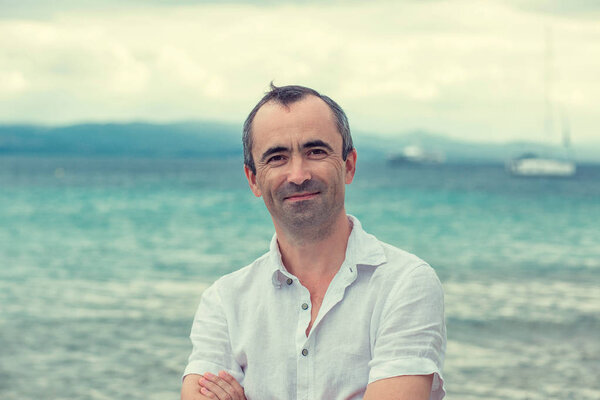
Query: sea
(103, 261)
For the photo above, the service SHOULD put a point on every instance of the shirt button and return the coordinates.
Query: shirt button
(305, 306)
(289, 281)
(304, 352)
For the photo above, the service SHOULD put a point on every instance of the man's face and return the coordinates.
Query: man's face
(300, 172)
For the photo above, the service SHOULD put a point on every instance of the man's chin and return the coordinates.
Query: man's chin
(301, 216)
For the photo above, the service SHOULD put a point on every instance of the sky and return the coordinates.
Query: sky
(474, 70)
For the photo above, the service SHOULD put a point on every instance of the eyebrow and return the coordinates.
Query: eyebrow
(271, 150)
(307, 145)
(316, 143)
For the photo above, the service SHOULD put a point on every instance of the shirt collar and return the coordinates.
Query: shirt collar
(362, 249)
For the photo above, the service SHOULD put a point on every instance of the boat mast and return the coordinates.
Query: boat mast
(566, 130)
(548, 80)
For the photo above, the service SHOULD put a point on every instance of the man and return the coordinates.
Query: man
(329, 312)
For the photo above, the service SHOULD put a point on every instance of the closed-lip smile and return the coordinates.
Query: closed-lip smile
(301, 196)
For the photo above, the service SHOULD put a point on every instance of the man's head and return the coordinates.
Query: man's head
(286, 95)
(298, 161)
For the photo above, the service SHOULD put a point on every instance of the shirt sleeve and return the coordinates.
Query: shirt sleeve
(411, 338)
(211, 346)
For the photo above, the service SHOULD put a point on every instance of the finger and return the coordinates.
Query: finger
(217, 386)
(212, 390)
(200, 383)
(207, 393)
(239, 390)
(225, 385)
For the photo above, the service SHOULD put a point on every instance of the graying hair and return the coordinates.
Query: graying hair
(286, 95)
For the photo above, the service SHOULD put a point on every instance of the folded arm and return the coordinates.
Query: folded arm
(225, 387)
(411, 340)
(209, 386)
(409, 387)
(190, 388)
(211, 350)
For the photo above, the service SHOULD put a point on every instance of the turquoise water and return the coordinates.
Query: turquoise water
(102, 262)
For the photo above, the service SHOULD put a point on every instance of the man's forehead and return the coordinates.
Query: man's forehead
(310, 114)
(309, 107)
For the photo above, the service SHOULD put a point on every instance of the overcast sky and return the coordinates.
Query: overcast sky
(466, 69)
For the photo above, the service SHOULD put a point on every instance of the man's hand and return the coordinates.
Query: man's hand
(209, 386)
(222, 387)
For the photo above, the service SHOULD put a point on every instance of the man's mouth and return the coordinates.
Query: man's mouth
(301, 196)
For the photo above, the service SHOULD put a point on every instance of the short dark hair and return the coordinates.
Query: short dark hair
(286, 95)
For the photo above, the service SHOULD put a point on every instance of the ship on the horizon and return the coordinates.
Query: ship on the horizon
(416, 155)
(530, 164)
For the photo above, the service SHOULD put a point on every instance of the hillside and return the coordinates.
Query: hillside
(214, 139)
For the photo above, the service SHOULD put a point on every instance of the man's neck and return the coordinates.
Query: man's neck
(312, 259)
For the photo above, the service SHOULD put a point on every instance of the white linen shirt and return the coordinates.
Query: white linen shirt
(382, 316)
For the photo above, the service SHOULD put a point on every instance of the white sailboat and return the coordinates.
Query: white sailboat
(530, 164)
(534, 165)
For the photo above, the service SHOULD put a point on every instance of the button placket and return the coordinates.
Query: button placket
(336, 291)
(303, 304)
(304, 362)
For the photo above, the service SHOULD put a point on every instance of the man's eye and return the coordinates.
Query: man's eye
(317, 152)
(275, 159)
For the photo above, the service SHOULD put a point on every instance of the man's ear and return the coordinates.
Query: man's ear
(350, 166)
(251, 176)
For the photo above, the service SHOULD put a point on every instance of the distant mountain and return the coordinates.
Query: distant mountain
(186, 139)
(463, 151)
(214, 139)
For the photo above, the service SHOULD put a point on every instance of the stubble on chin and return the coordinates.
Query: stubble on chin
(309, 220)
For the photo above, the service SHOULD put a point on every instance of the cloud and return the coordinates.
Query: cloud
(466, 68)
(588, 9)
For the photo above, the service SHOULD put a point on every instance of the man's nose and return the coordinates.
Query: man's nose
(298, 171)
